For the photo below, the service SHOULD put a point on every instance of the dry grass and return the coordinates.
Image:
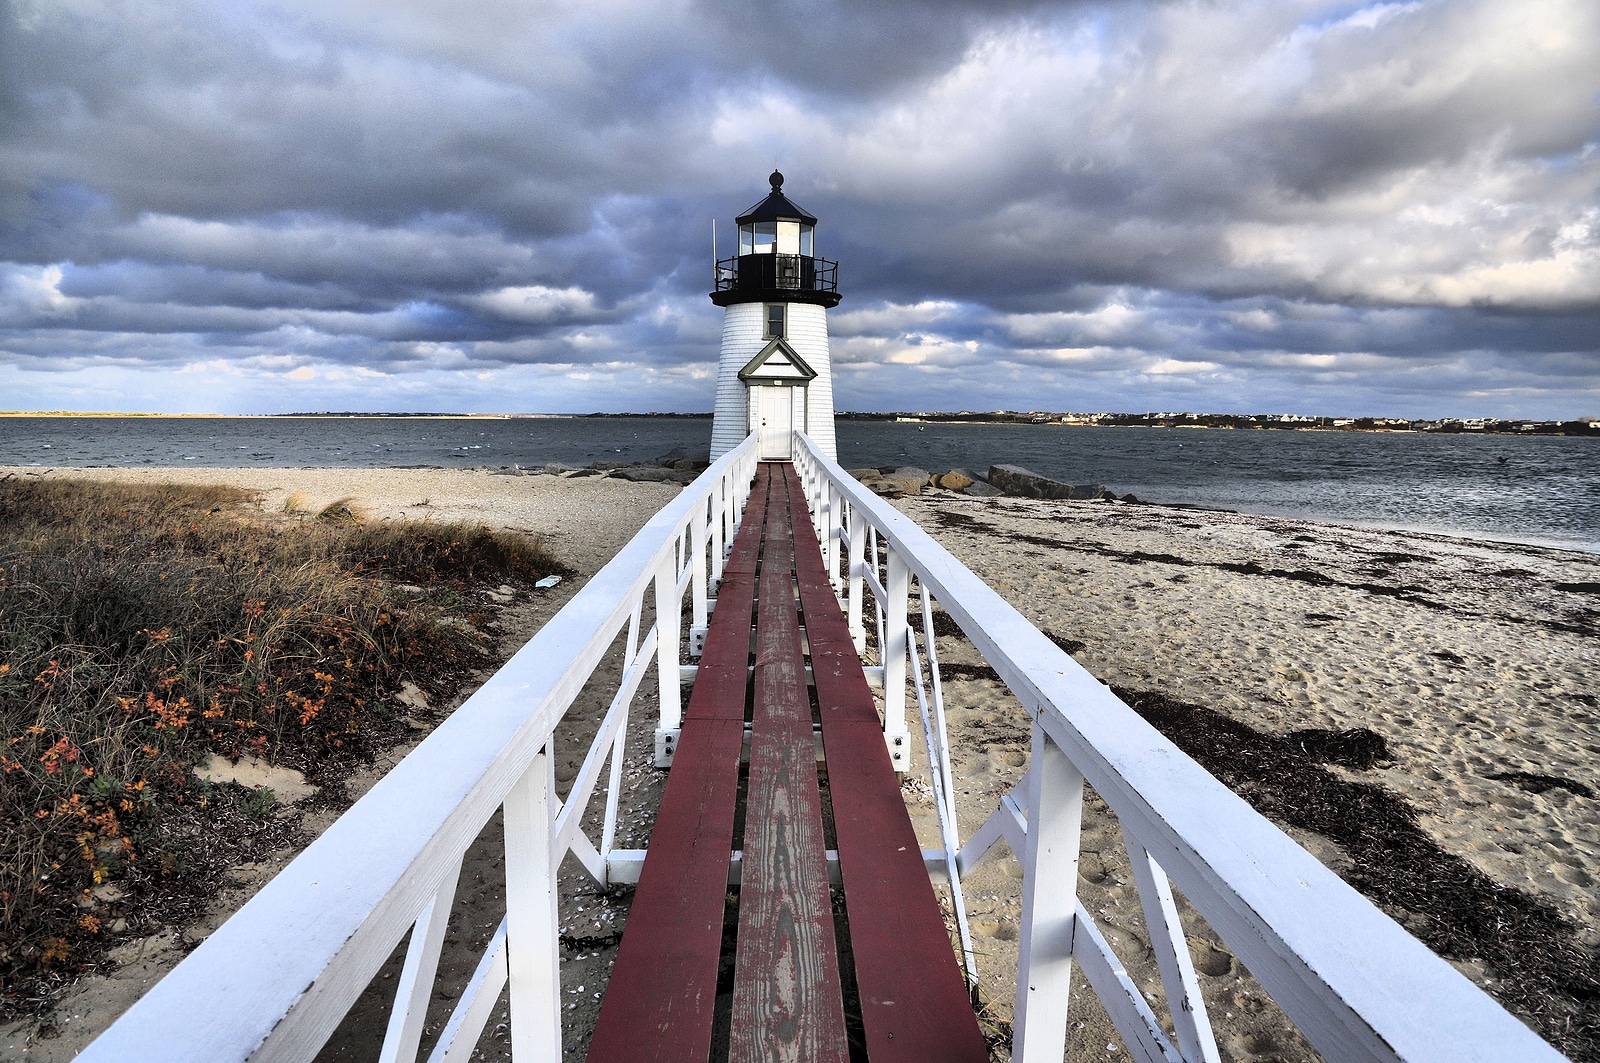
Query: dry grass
(143, 627)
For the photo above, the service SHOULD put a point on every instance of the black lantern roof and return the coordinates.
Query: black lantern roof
(775, 206)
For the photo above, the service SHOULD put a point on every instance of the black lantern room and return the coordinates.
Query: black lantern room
(777, 257)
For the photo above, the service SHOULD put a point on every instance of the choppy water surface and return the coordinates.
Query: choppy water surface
(1534, 489)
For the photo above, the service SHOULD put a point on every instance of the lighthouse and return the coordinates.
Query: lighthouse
(774, 374)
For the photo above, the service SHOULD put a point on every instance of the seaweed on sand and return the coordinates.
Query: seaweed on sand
(1543, 972)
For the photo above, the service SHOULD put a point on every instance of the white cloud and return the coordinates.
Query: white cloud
(33, 293)
(1172, 367)
(535, 303)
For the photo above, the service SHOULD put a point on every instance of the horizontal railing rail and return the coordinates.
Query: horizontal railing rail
(766, 272)
(275, 980)
(1358, 986)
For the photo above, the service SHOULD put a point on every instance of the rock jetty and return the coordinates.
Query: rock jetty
(1015, 480)
(890, 481)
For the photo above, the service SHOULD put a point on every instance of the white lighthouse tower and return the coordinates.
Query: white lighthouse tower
(774, 374)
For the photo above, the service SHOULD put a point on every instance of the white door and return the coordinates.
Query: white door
(776, 418)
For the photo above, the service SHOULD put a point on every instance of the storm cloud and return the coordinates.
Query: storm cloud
(1315, 207)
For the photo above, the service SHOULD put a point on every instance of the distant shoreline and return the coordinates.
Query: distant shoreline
(1583, 427)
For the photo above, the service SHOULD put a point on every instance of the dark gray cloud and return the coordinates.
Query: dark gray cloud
(1381, 208)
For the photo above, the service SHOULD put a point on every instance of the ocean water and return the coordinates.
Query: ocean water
(1538, 489)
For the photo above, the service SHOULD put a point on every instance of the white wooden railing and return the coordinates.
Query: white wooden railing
(1356, 984)
(275, 980)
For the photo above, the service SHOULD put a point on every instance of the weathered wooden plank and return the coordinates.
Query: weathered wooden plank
(787, 1003)
(661, 998)
(914, 1003)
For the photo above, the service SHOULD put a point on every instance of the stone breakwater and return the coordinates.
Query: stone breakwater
(681, 467)
(1012, 480)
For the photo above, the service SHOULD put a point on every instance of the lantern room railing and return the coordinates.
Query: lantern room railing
(773, 272)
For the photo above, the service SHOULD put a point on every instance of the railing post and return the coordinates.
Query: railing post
(533, 955)
(719, 527)
(830, 552)
(896, 634)
(814, 503)
(730, 514)
(668, 620)
(855, 565)
(697, 579)
(1049, 904)
(742, 492)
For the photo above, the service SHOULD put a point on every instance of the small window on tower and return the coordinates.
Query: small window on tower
(775, 321)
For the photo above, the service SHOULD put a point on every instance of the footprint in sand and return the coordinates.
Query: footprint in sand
(1213, 961)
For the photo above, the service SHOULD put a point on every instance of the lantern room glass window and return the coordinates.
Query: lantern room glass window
(781, 237)
(788, 238)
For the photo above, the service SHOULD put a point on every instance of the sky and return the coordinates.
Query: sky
(1245, 206)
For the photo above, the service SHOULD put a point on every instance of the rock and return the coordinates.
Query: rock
(979, 489)
(1132, 499)
(864, 474)
(954, 480)
(910, 479)
(678, 456)
(886, 488)
(644, 474)
(1015, 480)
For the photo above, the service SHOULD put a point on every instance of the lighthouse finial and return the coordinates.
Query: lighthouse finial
(776, 181)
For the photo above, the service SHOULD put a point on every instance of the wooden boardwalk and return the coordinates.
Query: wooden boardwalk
(775, 607)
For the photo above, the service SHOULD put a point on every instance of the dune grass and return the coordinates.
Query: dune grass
(143, 628)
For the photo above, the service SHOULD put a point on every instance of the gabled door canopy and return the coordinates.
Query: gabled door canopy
(777, 363)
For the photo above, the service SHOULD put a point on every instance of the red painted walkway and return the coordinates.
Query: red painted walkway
(786, 1001)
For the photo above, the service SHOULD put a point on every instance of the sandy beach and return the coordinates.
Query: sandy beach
(1473, 661)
